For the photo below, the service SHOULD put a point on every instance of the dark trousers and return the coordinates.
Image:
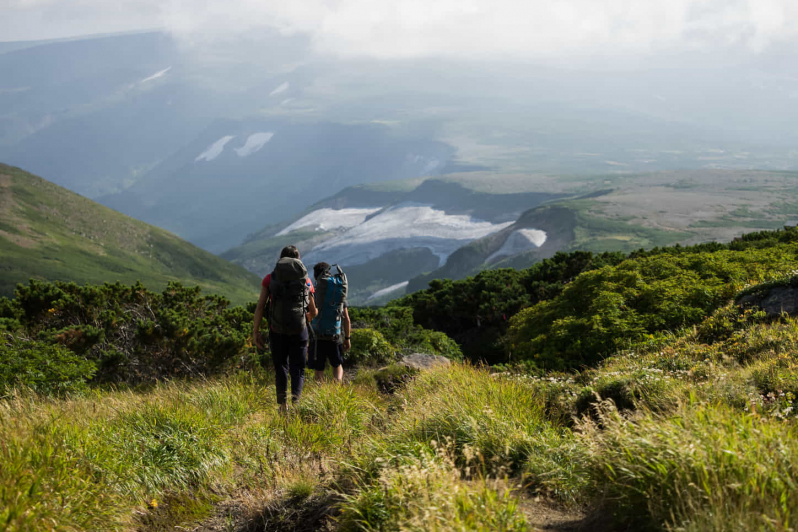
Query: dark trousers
(289, 355)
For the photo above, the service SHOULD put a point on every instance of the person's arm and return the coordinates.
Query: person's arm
(346, 326)
(257, 339)
(312, 312)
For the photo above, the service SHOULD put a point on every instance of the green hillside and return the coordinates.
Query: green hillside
(47, 232)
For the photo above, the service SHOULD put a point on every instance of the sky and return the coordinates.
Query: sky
(419, 28)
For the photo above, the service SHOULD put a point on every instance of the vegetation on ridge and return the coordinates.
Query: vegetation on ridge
(58, 337)
(578, 307)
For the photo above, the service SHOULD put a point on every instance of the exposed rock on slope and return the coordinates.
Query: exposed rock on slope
(774, 298)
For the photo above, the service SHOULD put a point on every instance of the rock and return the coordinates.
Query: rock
(421, 361)
(773, 300)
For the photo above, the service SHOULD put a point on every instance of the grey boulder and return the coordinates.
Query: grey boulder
(420, 361)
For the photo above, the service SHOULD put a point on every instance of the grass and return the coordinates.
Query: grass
(597, 232)
(691, 431)
(702, 467)
(54, 234)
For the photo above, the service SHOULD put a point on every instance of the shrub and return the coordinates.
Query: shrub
(606, 309)
(131, 334)
(369, 347)
(727, 320)
(390, 379)
(47, 369)
(396, 325)
(435, 343)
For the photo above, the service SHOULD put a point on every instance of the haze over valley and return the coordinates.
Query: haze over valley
(394, 163)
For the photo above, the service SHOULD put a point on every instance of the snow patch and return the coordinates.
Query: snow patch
(392, 288)
(215, 149)
(404, 226)
(254, 143)
(156, 75)
(520, 241)
(282, 88)
(326, 219)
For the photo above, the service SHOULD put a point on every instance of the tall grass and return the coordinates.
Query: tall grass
(89, 461)
(496, 426)
(427, 493)
(704, 467)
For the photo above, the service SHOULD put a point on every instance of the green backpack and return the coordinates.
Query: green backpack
(289, 293)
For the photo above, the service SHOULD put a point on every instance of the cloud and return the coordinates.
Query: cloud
(460, 28)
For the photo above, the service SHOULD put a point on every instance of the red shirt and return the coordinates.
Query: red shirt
(268, 279)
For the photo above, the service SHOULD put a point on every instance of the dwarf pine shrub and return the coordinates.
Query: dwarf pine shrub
(605, 310)
(127, 333)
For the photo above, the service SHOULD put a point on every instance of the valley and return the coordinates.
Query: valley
(213, 142)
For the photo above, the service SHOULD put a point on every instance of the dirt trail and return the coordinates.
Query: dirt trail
(548, 516)
(317, 514)
(314, 514)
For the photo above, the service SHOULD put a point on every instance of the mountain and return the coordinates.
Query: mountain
(214, 140)
(385, 234)
(240, 175)
(393, 238)
(47, 232)
(639, 212)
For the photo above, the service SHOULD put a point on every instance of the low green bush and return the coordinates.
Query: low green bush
(44, 368)
(396, 325)
(434, 343)
(726, 321)
(369, 347)
(611, 308)
(393, 377)
(130, 334)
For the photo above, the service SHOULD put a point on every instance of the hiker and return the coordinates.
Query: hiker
(291, 307)
(331, 327)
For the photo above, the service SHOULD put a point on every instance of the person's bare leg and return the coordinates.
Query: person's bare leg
(319, 375)
(338, 373)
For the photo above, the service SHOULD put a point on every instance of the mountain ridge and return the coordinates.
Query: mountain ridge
(48, 232)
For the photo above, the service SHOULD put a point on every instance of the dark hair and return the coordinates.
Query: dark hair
(320, 269)
(289, 251)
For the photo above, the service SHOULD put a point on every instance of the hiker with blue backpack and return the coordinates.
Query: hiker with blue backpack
(331, 327)
(287, 290)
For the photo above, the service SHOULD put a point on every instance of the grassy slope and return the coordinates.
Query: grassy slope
(50, 233)
(707, 442)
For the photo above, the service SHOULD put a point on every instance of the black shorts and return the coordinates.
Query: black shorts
(324, 350)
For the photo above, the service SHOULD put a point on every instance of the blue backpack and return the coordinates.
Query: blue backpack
(330, 300)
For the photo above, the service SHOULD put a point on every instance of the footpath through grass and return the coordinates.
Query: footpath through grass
(692, 432)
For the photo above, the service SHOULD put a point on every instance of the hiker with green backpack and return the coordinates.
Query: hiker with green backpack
(331, 327)
(288, 292)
